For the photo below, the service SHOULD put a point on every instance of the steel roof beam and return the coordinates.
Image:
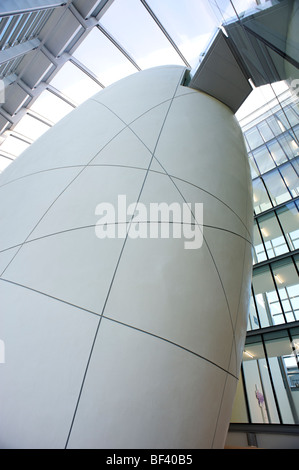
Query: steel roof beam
(87, 72)
(16, 7)
(92, 8)
(159, 24)
(119, 47)
(18, 50)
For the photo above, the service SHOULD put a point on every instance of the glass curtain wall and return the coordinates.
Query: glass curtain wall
(274, 159)
(268, 391)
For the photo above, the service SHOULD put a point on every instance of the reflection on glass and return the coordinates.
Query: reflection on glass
(259, 253)
(287, 283)
(263, 159)
(289, 219)
(294, 373)
(277, 153)
(265, 131)
(289, 144)
(276, 187)
(260, 397)
(285, 374)
(261, 200)
(273, 238)
(226, 10)
(274, 125)
(267, 301)
(276, 303)
(271, 379)
(254, 138)
(282, 121)
(292, 115)
(253, 168)
(290, 178)
(253, 322)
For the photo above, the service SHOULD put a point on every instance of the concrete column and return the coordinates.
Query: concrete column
(130, 341)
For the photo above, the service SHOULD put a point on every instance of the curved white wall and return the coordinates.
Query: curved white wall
(115, 343)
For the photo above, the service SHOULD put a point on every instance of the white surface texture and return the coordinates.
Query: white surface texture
(125, 342)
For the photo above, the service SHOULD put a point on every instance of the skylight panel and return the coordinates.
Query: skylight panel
(99, 55)
(51, 107)
(74, 83)
(14, 146)
(133, 27)
(30, 127)
(4, 162)
(190, 23)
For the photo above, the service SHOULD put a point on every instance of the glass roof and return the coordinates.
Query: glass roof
(130, 35)
(190, 24)
(79, 88)
(139, 34)
(100, 56)
(51, 106)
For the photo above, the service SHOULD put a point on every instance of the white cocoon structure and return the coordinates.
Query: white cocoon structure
(133, 339)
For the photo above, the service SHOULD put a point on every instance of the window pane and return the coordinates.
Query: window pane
(265, 130)
(99, 55)
(287, 283)
(263, 159)
(289, 219)
(276, 187)
(74, 83)
(189, 24)
(14, 146)
(289, 145)
(282, 121)
(254, 138)
(277, 153)
(260, 396)
(259, 251)
(260, 197)
(285, 373)
(253, 168)
(31, 127)
(253, 322)
(275, 127)
(272, 235)
(139, 34)
(4, 162)
(290, 178)
(295, 344)
(51, 107)
(292, 116)
(267, 301)
(296, 132)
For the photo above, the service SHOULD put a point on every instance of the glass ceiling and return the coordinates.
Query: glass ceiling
(131, 35)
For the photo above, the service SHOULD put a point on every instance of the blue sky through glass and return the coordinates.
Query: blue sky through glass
(190, 23)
